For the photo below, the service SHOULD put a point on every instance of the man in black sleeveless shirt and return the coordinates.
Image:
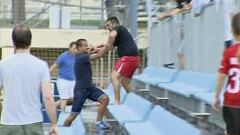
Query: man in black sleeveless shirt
(127, 51)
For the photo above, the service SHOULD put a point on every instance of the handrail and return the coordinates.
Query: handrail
(69, 5)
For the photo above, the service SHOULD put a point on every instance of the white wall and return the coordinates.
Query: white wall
(56, 38)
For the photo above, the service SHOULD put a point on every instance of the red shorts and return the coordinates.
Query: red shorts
(127, 65)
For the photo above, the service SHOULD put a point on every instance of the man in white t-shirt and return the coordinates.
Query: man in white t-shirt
(23, 77)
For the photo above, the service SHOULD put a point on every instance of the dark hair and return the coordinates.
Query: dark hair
(236, 24)
(113, 20)
(21, 36)
(72, 44)
(79, 42)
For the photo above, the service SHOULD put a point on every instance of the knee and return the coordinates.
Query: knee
(114, 76)
(105, 100)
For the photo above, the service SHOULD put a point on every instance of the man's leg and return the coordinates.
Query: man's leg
(70, 101)
(100, 96)
(11, 130)
(116, 85)
(70, 119)
(126, 84)
(181, 59)
(63, 104)
(78, 101)
(102, 108)
(33, 129)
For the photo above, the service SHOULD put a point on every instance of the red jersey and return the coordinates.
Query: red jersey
(231, 67)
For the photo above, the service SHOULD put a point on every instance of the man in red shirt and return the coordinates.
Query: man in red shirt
(230, 68)
(127, 50)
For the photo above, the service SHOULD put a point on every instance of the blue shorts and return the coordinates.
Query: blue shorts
(80, 96)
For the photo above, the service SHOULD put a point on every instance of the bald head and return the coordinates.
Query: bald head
(21, 36)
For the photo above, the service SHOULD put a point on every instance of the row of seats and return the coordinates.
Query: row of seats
(141, 117)
(186, 83)
(110, 93)
(77, 127)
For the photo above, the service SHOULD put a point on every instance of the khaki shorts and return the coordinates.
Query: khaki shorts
(31, 129)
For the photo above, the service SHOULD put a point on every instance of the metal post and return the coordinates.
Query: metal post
(109, 66)
(101, 73)
(80, 9)
(133, 17)
(149, 13)
(113, 57)
(60, 16)
(97, 72)
(102, 13)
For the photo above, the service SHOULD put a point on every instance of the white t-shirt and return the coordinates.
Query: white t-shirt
(21, 76)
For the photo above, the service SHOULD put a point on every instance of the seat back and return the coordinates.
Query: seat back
(169, 124)
(196, 79)
(138, 104)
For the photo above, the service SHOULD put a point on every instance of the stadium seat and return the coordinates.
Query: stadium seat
(133, 109)
(147, 72)
(45, 115)
(161, 122)
(77, 127)
(162, 75)
(110, 93)
(188, 83)
(64, 130)
(206, 97)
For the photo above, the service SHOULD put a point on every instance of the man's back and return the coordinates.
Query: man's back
(21, 76)
(124, 42)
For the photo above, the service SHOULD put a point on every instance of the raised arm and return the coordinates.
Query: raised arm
(109, 45)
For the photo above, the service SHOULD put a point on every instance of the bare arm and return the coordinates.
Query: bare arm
(50, 104)
(169, 13)
(111, 38)
(53, 67)
(218, 89)
(96, 56)
(109, 45)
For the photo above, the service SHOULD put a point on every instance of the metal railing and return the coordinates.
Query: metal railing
(103, 67)
(38, 17)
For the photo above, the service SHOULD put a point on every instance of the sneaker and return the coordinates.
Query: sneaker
(102, 125)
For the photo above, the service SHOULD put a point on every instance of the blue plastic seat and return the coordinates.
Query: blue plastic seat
(77, 127)
(133, 109)
(147, 72)
(161, 122)
(162, 75)
(207, 97)
(188, 83)
(110, 93)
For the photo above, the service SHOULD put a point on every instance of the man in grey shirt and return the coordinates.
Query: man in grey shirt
(23, 77)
